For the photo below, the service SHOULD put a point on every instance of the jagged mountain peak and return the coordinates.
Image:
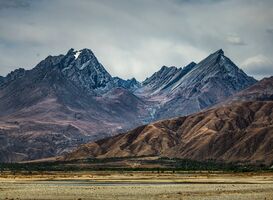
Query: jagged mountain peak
(16, 73)
(81, 59)
(213, 58)
(166, 68)
(84, 69)
(133, 80)
(81, 54)
(216, 65)
(13, 75)
(215, 55)
(191, 64)
(163, 73)
(164, 79)
(219, 52)
(130, 84)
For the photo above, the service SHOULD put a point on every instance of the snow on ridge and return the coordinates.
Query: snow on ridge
(77, 53)
(84, 65)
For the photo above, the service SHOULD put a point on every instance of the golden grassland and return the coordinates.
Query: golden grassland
(136, 185)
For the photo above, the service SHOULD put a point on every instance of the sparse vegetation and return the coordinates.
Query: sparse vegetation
(136, 185)
(118, 164)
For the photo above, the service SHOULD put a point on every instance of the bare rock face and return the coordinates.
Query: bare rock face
(83, 68)
(241, 132)
(130, 84)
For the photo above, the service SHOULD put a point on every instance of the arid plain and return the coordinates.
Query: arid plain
(136, 185)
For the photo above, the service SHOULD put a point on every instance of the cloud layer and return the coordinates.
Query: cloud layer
(135, 38)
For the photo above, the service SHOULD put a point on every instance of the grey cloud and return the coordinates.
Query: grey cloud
(199, 1)
(235, 40)
(269, 30)
(6, 4)
(259, 65)
(134, 38)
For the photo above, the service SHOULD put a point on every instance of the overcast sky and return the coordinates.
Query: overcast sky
(134, 38)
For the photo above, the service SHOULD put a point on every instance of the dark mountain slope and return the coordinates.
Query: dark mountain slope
(262, 90)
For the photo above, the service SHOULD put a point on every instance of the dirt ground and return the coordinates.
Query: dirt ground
(137, 185)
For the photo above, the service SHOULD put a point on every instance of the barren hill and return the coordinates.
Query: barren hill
(241, 132)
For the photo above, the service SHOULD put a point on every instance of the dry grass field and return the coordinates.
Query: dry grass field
(136, 185)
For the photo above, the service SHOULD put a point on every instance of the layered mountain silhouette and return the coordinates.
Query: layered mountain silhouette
(239, 131)
(70, 99)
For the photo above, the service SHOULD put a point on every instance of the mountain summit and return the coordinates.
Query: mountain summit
(85, 70)
(165, 78)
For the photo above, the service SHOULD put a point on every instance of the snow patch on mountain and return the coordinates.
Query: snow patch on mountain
(77, 53)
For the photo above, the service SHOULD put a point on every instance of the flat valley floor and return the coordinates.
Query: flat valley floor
(136, 185)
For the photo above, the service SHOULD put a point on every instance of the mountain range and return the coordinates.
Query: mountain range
(195, 87)
(69, 100)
